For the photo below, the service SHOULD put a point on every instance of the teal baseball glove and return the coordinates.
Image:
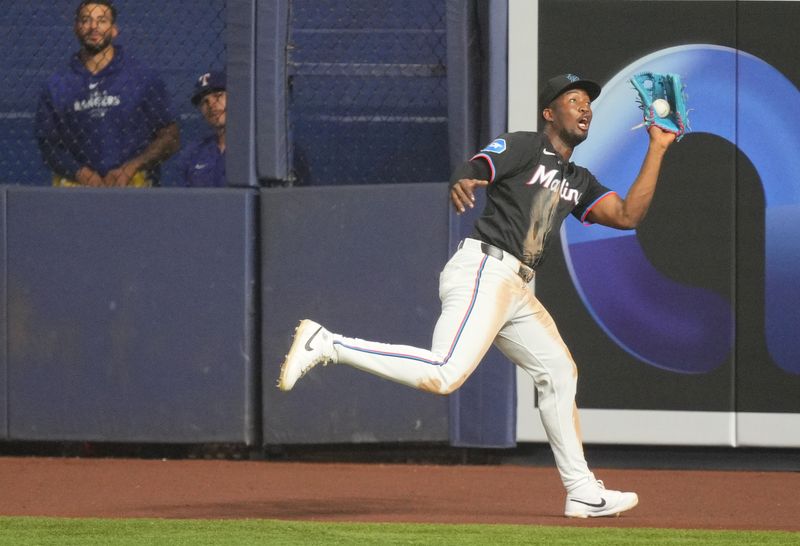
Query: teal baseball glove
(663, 101)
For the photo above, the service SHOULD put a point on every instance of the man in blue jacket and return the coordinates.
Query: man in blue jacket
(105, 120)
(203, 162)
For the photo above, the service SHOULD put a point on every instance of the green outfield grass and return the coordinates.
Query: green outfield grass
(88, 532)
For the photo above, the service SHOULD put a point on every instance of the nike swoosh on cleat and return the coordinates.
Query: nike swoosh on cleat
(547, 152)
(593, 505)
(308, 343)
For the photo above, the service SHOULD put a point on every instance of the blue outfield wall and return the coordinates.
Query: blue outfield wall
(130, 315)
(162, 316)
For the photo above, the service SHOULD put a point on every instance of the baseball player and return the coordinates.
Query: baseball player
(105, 120)
(203, 162)
(485, 288)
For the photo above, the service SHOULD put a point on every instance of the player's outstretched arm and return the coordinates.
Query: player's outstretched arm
(462, 193)
(468, 176)
(629, 212)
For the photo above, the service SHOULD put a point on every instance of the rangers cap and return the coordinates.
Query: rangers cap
(208, 83)
(564, 82)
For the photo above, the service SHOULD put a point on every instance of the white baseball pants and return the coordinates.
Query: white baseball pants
(485, 301)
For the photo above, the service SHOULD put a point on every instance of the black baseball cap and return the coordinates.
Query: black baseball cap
(564, 82)
(208, 83)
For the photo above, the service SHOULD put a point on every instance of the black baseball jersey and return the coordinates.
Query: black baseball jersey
(531, 190)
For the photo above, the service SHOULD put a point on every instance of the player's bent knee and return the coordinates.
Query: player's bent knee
(440, 383)
(447, 377)
(436, 385)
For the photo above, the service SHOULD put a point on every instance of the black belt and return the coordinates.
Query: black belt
(524, 272)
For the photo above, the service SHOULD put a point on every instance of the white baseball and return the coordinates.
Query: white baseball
(661, 107)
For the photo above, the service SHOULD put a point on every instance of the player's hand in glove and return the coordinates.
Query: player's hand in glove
(663, 101)
(462, 193)
(660, 137)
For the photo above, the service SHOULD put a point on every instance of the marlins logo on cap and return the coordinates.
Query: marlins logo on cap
(559, 84)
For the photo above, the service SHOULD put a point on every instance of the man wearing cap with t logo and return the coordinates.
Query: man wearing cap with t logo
(203, 162)
(485, 288)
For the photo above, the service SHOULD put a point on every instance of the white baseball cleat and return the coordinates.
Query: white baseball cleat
(593, 500)
(312, 345)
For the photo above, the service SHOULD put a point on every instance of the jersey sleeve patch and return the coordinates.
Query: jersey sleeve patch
(497, 146)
